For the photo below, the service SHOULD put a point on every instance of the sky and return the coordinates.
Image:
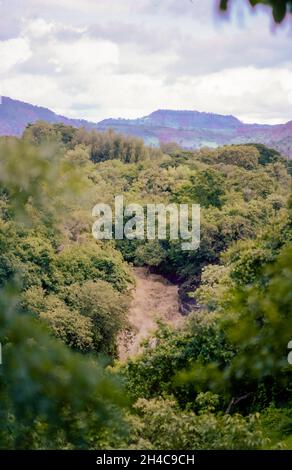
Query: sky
(96, 59)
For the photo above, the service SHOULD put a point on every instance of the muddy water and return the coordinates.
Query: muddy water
(154, 298)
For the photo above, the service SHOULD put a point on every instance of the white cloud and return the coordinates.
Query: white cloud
(35, 89)
(38, 27)
(251, 94)
(245, 92)
(127, 58)
(13, 52)
(84, 55)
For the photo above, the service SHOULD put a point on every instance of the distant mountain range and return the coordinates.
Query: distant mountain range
(190, 129)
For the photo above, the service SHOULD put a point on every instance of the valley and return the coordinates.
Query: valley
(154, 300)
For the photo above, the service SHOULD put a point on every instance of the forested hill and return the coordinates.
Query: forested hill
(217, 377)
(189, 129)
(15, 115)
(193, 129)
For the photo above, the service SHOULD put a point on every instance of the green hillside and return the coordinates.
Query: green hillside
(219, 380)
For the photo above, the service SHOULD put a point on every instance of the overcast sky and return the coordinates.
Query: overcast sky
(95, 59)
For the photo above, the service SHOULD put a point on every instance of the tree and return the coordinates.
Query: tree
(161, 424)
(255, 315)
(243, 156)
(50, 396)
(105, 307)
(205, 188)
(280, 8)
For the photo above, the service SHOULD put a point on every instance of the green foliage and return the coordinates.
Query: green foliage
(104, 307)
(109, 146)
(280, 8)
(79, 263)
(243, 156)
(32, 178)
(68, 325)
(71, 327)
(73, 296)
(215, 281)
(87, 316)
(149, 254)
(51, 397)
(162, 425)
(79, 155)
(43, 133)
(266, 155)
(277, 423)
(153, 373)
(261, 305)
(205, 188)
(265, 319)
(82, 144)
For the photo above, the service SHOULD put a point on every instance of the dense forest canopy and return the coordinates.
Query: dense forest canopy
(219, 381)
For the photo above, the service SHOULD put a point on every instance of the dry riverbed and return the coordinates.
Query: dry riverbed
(154, 298)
